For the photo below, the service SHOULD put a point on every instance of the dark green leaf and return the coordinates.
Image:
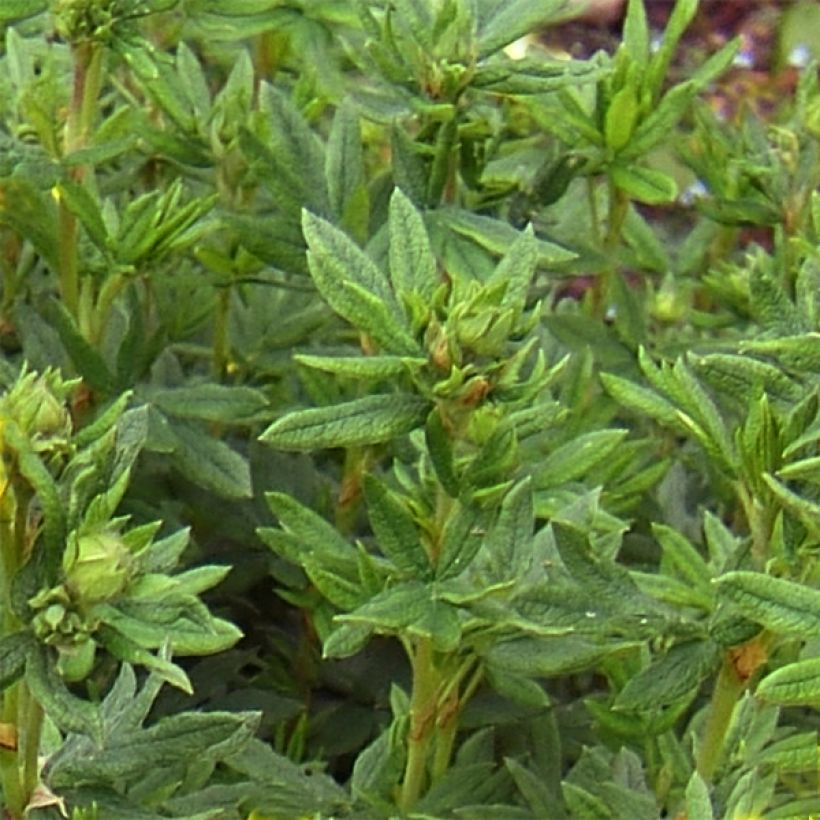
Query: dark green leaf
(210, 462)
(14, 649)
(70, 713)
(395, 530)
(212, 402)
(670, 677)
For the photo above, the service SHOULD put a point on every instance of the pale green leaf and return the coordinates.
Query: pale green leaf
(369, 420)
(796, 684)
(577, 457)
(412, 264)
(782, 606)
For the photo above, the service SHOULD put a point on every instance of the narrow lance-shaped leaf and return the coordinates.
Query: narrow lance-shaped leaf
(369, 420)
(636, 32)
(395, 530)
(781, 606)
(210, 462)
(439, 446)
(461, 539)
(517, 268)
(670, 677)
(412, 265)
(577, 457)
(211, 402)
(366, 368)
(308, 526)
(507, 20)
(354, 287)
(686, 561)
(797, 684)
(344, 160)
(509, 543)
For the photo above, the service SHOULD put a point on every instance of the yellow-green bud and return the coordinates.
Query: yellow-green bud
(37, 405)
(75, 662)
(97, 567)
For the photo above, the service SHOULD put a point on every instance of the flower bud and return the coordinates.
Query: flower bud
(37, 405)
(75, 662)
(97, 566)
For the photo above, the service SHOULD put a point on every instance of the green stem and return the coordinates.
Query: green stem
(33, 724)
(14, 509)
(728, 689)
(222, 333)
(422, 723)
(618, 208)
(88, 63)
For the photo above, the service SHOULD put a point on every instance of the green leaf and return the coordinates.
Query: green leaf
(410, 608)
(509, 545)
(644, 184)
(395, 530)
(585, 805)
(506, 20)
(698, 802)
(534, 790)
(412, 264)
(782, 606)
(641, 400)
(802, 508)
(796, 684)
(503, 75)
(296, 151)
(682, 15)
(86, 358)
(79, 201)
(212, 402)
(439, 446)
(577, 457)
(187, 737)
(369, 420)
(344, 159)
(686, 562)
(346, 640)
(742, 377)
(312, 531)
(354, 287)
(497, 236)
(20, 9)
(210, 462)
(621, 115)
(517, 688)
(656, 126)
(461, 539)
(32, 214)
(517, 268)
(671, 677)
(636, 33)
(800, 353)
(70, 713)
(34, 470)
(128, 651)
(184, 634)
(366, 368)
(14, 649)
